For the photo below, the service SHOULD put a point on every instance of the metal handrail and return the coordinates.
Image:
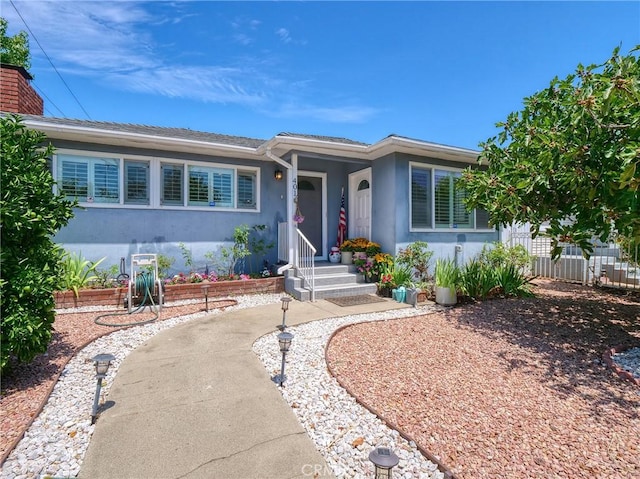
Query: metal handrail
(305, 262)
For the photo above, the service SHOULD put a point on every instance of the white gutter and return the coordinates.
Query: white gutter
(85, 132)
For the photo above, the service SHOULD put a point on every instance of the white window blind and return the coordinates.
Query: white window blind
(421, 198)
(211, 186)
(136, 180)
(89, 179)
(171, 184)
(436, 202)
(246, 189)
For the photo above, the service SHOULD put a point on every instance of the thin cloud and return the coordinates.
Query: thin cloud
(207, 84)
(109, 43)
(284, 35)
(338, 114)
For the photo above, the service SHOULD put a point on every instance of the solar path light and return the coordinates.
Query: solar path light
(205, 291)
(384, 460)
(285, 306)
(284, 340)
(102, 363)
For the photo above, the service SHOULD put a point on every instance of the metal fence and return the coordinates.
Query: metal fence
(612, 263)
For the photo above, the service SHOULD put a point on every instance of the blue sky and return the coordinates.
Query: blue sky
(444, 72)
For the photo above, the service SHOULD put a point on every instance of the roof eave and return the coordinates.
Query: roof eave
(129, 139)
(280, 145)
(394, 144)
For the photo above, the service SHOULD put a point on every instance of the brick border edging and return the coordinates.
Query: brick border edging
(49, 390)
(625, 375)
(448, 474)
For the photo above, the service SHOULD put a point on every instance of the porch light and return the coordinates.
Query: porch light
(384, 460)
(102, 363)
(285, 306)
(277, 175)
(284, 340)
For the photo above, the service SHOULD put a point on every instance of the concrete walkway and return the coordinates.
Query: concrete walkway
(196, 402)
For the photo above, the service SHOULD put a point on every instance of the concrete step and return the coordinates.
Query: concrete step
(331, 280)
(334, 291)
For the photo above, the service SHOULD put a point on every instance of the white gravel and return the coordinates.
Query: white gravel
(629, 360)
(343, 430)
(57, 440)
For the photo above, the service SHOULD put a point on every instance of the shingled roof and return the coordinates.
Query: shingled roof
(160, 131)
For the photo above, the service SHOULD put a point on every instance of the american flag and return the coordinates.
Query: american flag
(342, 222)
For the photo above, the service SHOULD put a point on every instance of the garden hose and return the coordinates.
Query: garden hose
(123, 276)
(143, 282)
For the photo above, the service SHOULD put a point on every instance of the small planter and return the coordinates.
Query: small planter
(384, 291)
(335, 257)
(347, 257)
(446, 296)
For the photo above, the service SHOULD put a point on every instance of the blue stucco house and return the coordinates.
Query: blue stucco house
(146, 189)
(150, 188)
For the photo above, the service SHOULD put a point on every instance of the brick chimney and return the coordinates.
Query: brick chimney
(16, 94)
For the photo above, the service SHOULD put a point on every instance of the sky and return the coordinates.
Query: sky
(443, 72)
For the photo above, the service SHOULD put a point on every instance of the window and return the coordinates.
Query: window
(136, 180)
(210, 186)
(89, 179)
(247, 189)
(449, 202)
(436, 202)
(171, 187)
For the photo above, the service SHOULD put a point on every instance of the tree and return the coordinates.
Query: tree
(570, 157)
(30, 214)
(14, 50)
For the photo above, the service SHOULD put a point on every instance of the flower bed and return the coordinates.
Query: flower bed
(173, 292)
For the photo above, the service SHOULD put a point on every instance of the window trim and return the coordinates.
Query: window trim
(433, 229)
(155, 181)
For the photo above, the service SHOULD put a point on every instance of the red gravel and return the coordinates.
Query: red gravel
(27, 387)
(506, 388)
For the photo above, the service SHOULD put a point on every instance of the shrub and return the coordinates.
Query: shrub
(30, 214)
(417, 256)
(512, 282)
(106, 278)
(164, 264)
(498, 254)
(477, 279)
(77, 272)
(401, 275)
(229, 257)
(447, 273)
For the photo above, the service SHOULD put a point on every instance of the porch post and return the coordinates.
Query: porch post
(292, 181)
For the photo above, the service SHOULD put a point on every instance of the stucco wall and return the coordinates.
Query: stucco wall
(117, 232)
(391, 213)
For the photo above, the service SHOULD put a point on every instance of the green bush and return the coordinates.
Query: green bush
(498, 254)
(77, 272)
(30, 214)
(512, 282)
(106, 278)
(401, 275)
(447, 273)
(477, 279)
(416, 255)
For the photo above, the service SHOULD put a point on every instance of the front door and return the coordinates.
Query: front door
(360, 204)
(311, 203)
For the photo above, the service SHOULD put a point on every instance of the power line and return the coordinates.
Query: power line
(48, 99)
(50, 62)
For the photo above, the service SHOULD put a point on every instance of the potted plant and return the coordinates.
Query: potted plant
(401, 279)
(447, 278)
(346, 251)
